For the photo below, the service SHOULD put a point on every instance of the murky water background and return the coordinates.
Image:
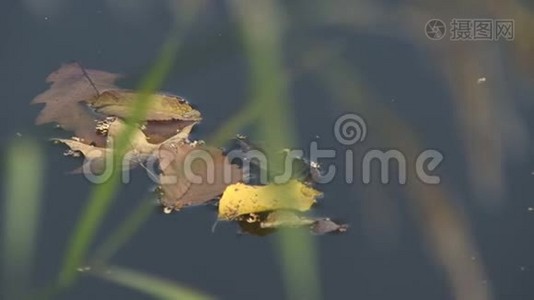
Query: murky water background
(384, 254)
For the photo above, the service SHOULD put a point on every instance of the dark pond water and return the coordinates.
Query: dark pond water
(388, 252)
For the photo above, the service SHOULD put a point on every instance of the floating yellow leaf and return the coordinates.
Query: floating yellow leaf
(241, 199)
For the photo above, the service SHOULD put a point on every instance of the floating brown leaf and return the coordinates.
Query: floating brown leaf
(158, 132)
(326, 225)
(193, 174)
(95, 157)
(71, 97)
(64, 100)
(88, 103)
(138, 151)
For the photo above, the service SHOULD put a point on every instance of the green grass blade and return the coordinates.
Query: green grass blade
(21, 216)
(124, 232)
(148, 284)
(103, 194)
(230, 128)
(261, 24)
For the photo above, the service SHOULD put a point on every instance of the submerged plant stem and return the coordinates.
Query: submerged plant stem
(103, 194)
(20, 219)
(124, 232)
(151, 285)
(261, 24)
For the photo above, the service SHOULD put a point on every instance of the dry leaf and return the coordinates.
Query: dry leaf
(193, 174)
(167, 116)
(138, 140)
(326, 225)
(267, 222)
(158, 132)
(95, 157)
(138, 150)
(66, 103)
(241, 199)
(163, 107)
(64, 100)
(285, 218)
(88, 151)
(279, 219)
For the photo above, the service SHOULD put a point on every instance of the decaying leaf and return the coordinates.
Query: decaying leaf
(193, 174)
(138, 141)
(163, 107)
(241, 199)
(285, 218)
(88, 103)
(166, 116)
(64, 100)
(95, 157)
(267, 222)
(76, 105)
(138, 150)
(326, 225)
(158, 132)
(88, 151)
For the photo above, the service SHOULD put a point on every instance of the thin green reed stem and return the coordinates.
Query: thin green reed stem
(344, 82)
(20, 219)
(148, 284)
(261, 25)
(124, 232)
(231, 127)
(102, 195)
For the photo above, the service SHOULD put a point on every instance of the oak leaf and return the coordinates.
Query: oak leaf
(78, 100)
(64, 100)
